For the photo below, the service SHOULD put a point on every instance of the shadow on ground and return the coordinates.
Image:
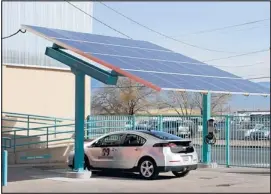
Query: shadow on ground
(35, 173)
(123, 175)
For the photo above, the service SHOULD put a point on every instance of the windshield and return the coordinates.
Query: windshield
(162, 135)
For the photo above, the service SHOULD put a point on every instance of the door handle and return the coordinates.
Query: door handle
(136, 149)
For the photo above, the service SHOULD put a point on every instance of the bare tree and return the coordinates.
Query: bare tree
(218, 102)
(185, 102)
(181, 102)
(127, 97)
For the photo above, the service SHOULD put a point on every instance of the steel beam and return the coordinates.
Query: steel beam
(109, 78)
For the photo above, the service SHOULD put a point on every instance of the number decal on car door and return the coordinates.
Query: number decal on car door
(105, 154)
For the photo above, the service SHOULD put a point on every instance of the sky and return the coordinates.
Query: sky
(179, 19)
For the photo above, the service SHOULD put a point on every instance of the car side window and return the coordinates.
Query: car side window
(133, 140)
(109, 141)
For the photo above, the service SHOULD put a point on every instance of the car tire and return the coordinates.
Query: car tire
(151, 171)
(180, 174)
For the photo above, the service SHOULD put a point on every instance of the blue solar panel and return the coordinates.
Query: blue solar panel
(162, 67)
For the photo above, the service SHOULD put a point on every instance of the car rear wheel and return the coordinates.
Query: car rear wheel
(148, 169)
(182, 173)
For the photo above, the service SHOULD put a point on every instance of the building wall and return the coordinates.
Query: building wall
(41, 91)
(27, 48)
(33, 90)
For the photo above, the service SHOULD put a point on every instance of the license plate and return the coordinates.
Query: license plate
(185, 158)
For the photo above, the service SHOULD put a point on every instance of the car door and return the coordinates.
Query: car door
(130, 151)
(103, 153)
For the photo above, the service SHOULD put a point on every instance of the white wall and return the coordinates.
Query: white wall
(29, 49)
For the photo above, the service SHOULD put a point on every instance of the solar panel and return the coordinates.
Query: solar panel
(150, 64)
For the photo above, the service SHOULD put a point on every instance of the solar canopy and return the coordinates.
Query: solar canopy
(150, 64)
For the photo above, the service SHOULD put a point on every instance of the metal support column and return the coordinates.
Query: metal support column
(79, 120)
(206, 114)
(228, 141)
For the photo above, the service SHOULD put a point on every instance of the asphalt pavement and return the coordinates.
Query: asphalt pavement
(230, 180)
(240, 156)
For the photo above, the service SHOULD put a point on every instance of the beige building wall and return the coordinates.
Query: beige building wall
(41, 91)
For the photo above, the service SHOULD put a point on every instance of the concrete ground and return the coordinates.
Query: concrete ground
(45, 179)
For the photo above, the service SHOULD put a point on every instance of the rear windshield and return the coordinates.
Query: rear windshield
(162, 135)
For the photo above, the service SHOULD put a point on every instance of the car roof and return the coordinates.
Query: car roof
(136, 132)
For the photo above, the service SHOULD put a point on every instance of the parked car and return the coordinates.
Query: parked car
(248, 132)
(147, 124)
(129, 125)
(146, 151)
(176, 127)
(262, 134)
(240, 132)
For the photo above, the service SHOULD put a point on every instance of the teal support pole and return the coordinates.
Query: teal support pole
(227, 130)
(79, 120)
(4, 181)
(206, 114)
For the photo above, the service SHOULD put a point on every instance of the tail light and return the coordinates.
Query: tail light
(171, 145)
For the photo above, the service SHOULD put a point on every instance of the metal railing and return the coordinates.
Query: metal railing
(241, 141)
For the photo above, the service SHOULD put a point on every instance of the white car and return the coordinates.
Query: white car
(143, 151)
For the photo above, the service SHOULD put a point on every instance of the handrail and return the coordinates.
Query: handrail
(53, 133)
(20, 121)
(37, 116)
(37, 128)
(33, 118)
(52, 126)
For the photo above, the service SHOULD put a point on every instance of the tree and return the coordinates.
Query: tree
(185, 102)
(181, 102)
(127, 97)
(218, 102)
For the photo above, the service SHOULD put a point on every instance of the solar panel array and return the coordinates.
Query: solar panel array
(160, 66)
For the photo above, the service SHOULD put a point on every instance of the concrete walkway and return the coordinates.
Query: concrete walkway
(44, 179)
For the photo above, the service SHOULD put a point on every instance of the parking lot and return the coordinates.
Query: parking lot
(47, 179)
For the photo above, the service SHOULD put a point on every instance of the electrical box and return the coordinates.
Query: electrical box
(211, 126)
